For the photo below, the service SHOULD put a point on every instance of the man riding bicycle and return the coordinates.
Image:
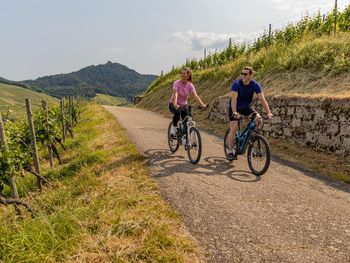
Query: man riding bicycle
(241, 102)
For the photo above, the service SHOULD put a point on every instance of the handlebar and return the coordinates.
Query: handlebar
(189, 107)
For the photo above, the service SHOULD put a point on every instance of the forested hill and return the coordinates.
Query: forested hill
(110, 78)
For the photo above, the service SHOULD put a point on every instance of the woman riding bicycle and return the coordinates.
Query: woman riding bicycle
(182, 88)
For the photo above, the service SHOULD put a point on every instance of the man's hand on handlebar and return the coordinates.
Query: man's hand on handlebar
(236, 115)
(269, 116)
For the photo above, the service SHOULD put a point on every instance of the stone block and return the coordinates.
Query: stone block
(346, 144)
(299, 112)
(320, 114)
(345, 130)
(310, 138)
(276, 120)
(323, 141)
(287, 132)
(333, 129)
(290, 111)
(296, 123)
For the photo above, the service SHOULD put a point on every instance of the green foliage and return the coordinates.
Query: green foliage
(47, 127)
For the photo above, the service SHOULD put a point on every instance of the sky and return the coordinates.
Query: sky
(46, 37)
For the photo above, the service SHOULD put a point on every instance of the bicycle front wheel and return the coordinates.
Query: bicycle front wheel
(194, 147)
(258, 155)
(173, 141)
(226, 145)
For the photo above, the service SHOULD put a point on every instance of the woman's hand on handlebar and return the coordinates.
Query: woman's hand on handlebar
(203, 106)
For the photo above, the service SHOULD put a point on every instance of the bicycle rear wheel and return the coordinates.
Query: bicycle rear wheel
(194, 147)
(258, 155)
(173, 141)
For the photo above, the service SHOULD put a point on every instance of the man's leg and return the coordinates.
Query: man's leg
(232, 153)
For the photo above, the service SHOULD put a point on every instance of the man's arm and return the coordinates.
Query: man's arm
(264, 103)
(234, 96)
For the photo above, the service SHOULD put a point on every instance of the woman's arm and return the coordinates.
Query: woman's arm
(198, 99)
(175, 95)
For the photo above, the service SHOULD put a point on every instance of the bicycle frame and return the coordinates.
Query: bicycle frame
(187, 122)
(242, 138)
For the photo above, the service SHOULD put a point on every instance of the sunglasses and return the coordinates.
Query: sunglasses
(244, 74)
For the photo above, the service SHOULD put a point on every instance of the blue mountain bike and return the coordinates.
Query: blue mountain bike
(251, 139)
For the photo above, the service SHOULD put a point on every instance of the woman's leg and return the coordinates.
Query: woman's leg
(176, 113)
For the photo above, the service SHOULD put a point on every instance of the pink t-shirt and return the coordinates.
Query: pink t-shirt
(183, 90)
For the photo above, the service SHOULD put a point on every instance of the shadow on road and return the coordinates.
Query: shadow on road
(167, 163)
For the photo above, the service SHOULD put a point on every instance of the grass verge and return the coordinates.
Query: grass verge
(103, 207)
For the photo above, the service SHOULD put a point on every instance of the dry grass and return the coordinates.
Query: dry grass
(104, 207)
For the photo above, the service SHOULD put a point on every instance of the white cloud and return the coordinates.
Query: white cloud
(196, 40)
(295, 7)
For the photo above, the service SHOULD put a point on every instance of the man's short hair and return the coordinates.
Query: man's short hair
(249, 68)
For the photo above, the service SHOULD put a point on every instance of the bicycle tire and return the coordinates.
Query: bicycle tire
(198, 146)
(173, 147)
(226, 142)
(261, 140)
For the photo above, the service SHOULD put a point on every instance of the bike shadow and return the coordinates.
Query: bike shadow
(166, 163)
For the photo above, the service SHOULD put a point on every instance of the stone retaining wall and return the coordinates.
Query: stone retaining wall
(319, 123)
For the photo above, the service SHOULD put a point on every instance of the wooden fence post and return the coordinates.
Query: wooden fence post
(70, 105)
(33, 141)
(11, 180)
(44, 106)
(63, 124)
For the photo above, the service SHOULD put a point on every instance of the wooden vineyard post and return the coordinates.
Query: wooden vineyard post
(63, 123)
(3, 141)
(44, 106)
(33, 141)
(70, 105)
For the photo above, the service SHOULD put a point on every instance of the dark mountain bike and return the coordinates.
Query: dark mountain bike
(187, 134)
(258, 154)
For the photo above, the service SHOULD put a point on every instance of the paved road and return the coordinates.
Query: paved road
(286, 216)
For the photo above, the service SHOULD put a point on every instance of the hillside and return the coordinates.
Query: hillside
(110, 78)
(103, 99)
(13, 97)
(294, 70)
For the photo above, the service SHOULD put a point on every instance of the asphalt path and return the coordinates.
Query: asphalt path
(287, 215)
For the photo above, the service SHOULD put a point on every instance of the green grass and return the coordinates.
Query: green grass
(13, 97)
(300, 69)
(103, 99)
(103, 206)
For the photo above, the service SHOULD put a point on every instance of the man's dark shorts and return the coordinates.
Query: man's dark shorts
(245, 112)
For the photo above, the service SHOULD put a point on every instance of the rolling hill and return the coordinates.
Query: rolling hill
(111, 79)
(13, 97)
